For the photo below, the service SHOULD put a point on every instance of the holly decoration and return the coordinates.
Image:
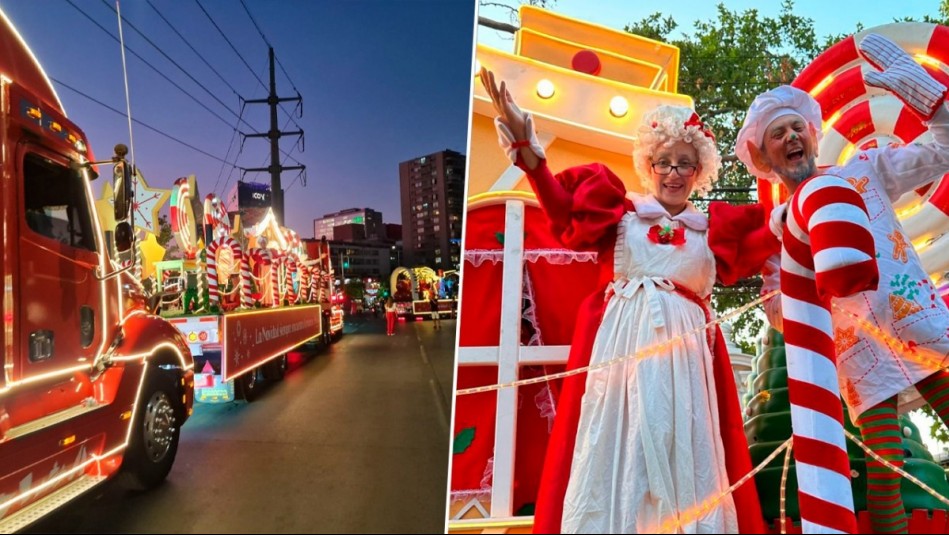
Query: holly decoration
(666, 235)
(463, 440)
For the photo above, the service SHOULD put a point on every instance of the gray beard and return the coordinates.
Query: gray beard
(801, 172)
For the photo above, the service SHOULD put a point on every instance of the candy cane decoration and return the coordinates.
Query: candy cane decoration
(304, 271)
(275, 279)
(215, 217)
(828, 252)
(290, 267)
(316, 289)
(182, 220)
(261, 258)
(224, 241)
(858, 117)
(246, 300)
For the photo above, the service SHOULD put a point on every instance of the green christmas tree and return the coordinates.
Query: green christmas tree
(768, 426)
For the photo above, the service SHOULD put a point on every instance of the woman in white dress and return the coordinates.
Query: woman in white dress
(651, 445)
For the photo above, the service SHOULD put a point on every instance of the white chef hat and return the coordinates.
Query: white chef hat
(768, 106)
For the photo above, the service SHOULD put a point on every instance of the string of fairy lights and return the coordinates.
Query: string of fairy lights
(698, 511)
(641, 354)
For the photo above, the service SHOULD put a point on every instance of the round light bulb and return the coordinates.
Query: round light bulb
(619, 106)
(545, 88)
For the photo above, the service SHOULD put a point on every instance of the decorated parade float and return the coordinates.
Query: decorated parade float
(411, 289)
(587, 87)
(244, 291)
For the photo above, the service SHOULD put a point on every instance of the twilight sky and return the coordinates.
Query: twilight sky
(382, 82)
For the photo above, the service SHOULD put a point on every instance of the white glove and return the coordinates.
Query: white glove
(901, 76)
(776, 221)
(506, 138)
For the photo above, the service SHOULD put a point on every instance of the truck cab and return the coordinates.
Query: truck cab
(93, 384)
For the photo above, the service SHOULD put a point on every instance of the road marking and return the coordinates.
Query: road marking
(444, 407)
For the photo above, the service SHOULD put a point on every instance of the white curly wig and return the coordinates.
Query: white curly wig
(662, 127)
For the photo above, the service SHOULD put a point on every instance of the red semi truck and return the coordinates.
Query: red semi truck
(92, 383)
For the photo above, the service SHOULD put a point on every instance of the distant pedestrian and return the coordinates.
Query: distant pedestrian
(433, 306)
(390, 317)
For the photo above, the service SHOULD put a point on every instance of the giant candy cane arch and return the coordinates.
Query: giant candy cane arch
(828, 252)
(857, 117)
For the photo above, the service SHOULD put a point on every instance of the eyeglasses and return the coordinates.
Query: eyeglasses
(663, 169)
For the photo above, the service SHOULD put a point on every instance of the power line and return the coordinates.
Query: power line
(145, 125)
(262, 36)
(229, 147)
(267, 42)
(218, 28)
(285, 153)
(143, 60)
(175, 63)
(192, 47)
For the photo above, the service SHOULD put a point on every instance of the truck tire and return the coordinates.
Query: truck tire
(153, 443)
(276, 368)
(247, 386)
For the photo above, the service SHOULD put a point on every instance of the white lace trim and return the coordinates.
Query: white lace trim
(619, 250)
(486, 479)
(554, 256)
(458, 494)
(531, 312)
(545, 404)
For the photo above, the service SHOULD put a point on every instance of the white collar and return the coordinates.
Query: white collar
(647, 207)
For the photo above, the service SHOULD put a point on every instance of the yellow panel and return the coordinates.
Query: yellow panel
(485, 158)
(600, 37)
(548, 49)
(488, 162)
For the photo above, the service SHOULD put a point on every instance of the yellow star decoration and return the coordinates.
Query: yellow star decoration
(146, 204)
(899, 246)
(151, 252)
(104, 208)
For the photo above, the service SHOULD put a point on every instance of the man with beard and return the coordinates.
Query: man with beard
(893, 339)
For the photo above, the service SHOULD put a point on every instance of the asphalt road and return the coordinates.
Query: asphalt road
(353, 440)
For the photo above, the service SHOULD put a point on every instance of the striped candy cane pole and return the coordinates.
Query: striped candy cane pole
(290, 264)
(828, 252)
(304, 272)
(246, 300)
(277, 260)
(213, 296)
(315, 292)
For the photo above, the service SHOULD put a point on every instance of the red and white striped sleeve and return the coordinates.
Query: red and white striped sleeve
(829, 220)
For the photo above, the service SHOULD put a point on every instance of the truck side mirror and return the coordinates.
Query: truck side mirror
(122, 189)
(123, 237)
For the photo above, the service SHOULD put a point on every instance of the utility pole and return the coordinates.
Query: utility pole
(275, 134)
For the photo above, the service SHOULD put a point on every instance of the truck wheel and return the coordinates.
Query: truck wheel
(276, 368)
(153, 443)
(248, 386)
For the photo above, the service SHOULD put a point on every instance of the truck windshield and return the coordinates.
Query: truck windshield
(55, 200)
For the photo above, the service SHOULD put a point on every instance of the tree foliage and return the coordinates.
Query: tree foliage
(724, 64)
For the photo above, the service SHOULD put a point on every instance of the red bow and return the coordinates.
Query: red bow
(694, 120)
(665, 234)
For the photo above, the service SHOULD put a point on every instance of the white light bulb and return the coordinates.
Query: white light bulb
(545, 88)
